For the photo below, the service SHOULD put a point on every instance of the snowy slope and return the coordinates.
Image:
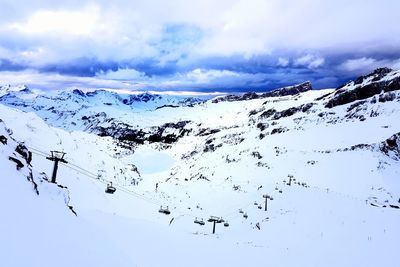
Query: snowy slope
(38, 227)
(216, 158)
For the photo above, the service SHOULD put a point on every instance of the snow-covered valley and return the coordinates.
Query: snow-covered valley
(328, 160)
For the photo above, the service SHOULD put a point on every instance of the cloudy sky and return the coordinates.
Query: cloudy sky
(197, 45)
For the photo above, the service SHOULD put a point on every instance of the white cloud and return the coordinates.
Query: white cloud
(37, 80)
(367, 64)
(55, 35)
(208, 76)
(124, 29)
(81, 22)
(310, 61)
(283, 62)
(358, 64)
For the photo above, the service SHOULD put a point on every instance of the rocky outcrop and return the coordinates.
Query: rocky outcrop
(391, 146)
(167, 133)
(291, 111)
(145, 97)
(364, 87)
(285, 91)
(290, 90)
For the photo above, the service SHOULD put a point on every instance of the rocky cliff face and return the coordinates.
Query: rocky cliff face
(379, 81)
(391, 146)
(285, 91)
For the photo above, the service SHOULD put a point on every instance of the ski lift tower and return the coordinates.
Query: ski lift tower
(215, 220)
(266, 200)
(57, 157)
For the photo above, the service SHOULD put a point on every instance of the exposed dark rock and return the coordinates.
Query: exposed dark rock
(279, 130)
(17, 161)
(390, 96)
(289, 90)
(262, 164)
(35, 186)
(356, 147)
(292, 111)
(233, 139)
(323, 97)
(3, 139)
(356, 105)
(208, 131)
(376, 86)
(24, 152)
(210, 147)
(268, 113)
(230, 160)
(256, 154)
(255, 111)
(262, 126)
(391, 146)
(78, 92)
(145, 97)
(158, 134)
(376, 74)
(167, 106)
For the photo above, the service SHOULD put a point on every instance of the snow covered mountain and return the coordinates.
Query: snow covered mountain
(298, 176)
(66, 108)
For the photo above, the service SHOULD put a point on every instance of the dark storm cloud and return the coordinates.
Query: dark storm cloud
(229, 45)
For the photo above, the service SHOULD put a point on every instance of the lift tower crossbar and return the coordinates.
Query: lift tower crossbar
(57, 157)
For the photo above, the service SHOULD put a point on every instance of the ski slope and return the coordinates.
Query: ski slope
(339, 211)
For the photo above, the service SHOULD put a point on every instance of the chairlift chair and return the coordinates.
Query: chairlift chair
(110, 189)
(226, 224)
(165, 211)
(200, 222)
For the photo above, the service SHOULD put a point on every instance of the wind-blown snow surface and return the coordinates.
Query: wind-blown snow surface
(340, 211)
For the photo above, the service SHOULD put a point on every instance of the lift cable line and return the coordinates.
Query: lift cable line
(59, 157)
(106, 182)
(123, 189)
(95, 177)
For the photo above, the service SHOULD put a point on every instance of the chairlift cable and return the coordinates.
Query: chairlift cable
(93, 176)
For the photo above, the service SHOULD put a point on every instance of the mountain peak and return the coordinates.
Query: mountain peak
(5, 89)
